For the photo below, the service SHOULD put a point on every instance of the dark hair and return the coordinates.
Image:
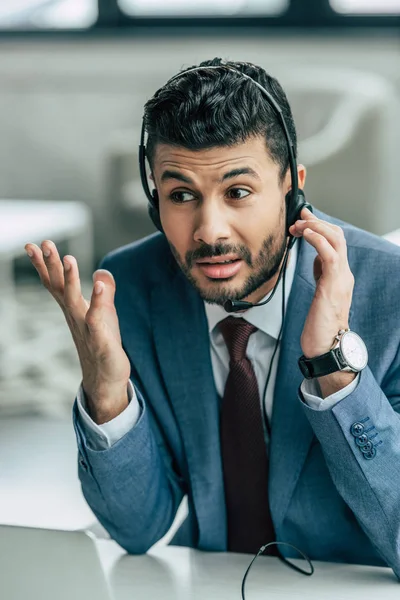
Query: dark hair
(217, 107)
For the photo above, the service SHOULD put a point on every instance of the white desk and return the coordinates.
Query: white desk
(173, 573)
(39, 485)
(23, 221)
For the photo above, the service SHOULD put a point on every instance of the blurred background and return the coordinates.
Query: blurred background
(74, 76)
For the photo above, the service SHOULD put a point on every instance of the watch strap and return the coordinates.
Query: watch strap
(320, 365)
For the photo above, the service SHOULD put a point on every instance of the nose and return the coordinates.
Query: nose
(211, 223)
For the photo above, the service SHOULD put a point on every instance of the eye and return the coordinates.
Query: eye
(238, 193)
(181, 197)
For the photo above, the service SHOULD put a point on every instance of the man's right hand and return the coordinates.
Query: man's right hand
(94, 327)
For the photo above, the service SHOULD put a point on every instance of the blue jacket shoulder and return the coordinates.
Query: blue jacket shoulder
(148, 258)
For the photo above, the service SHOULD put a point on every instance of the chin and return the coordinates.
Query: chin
(218, 294)
(217, 291)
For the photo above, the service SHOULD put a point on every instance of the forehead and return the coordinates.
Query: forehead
(253, 152)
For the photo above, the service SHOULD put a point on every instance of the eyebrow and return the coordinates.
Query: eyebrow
(240, 171)
(169, 174)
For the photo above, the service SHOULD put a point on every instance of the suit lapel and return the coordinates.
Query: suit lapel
(183, 348)
(291, 433)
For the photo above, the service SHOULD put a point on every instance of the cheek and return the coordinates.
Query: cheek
(177, 231)
(258, 224)
(252, 229)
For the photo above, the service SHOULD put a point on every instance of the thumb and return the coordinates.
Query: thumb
(102, 298)
(108, 289)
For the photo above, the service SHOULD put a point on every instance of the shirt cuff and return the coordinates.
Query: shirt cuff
(312, 394)
(102, 437)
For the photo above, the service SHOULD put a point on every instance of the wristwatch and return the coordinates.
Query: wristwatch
(349, 354)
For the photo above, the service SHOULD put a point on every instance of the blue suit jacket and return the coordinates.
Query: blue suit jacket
(325, 497)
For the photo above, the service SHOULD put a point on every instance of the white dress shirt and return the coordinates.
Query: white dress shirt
(260, 349)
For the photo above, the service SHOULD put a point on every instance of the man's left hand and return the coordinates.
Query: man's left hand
(330, 308)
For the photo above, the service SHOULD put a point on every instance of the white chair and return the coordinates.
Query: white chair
(393, 236)
(349, 132)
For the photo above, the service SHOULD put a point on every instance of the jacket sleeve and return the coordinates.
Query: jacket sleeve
(360, 440)
(101, 437)
(131, 487)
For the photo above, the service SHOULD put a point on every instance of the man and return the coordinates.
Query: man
(180, 398)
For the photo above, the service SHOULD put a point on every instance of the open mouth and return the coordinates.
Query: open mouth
(220, 269)
(220, 262)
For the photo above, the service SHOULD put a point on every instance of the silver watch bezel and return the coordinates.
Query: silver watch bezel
(350, 366)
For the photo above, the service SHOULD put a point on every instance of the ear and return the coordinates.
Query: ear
(301, 173)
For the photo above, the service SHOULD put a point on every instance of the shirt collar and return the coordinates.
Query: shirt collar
(267, 318)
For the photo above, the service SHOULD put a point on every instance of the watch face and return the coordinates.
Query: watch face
(354, 351)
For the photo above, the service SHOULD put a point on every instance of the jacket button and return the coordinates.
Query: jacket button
(370, 455)
(83, 464)
(367, 448)
(357, 429)
(362, 439)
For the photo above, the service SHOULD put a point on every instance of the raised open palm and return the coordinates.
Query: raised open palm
(93, 324)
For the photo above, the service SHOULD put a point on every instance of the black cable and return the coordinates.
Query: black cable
(276, 345)
(238, 305)
(287, 562)
(263, 548)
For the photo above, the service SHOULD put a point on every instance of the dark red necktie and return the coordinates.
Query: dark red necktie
(243, 448)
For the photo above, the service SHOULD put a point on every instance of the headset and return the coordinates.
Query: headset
(295, 199)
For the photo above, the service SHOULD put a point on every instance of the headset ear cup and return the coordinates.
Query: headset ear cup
(153, 211)
(294, 208)
(155, 217)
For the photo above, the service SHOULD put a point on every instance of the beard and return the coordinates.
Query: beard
(263, 267)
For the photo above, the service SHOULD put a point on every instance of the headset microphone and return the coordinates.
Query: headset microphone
(295, 200)
(238, 305)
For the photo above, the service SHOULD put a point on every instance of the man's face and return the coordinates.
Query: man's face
(223, 213)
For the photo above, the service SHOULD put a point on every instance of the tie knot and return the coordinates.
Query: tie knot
(236, 332)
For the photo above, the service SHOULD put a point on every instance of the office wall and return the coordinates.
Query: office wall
(63, 104)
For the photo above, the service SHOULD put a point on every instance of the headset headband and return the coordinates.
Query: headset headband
(272, 102)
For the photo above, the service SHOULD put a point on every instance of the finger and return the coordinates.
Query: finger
(55, 269)
(38, 262)
(307, 214)
(333, 234)
(329, 257)
(102, 299)
(74, 302)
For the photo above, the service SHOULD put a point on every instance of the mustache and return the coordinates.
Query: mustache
(214, 250)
